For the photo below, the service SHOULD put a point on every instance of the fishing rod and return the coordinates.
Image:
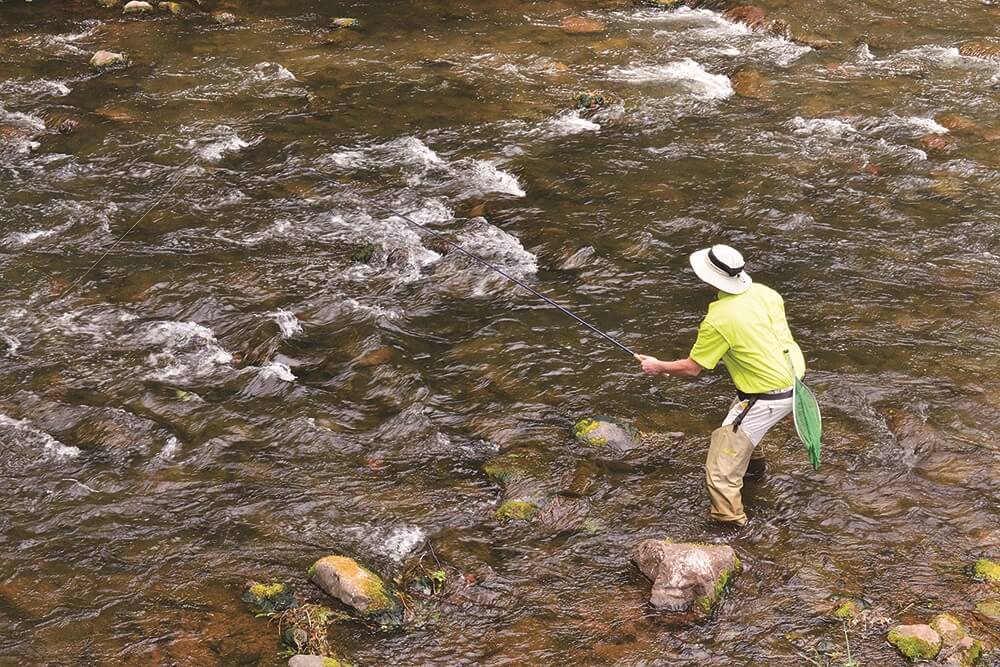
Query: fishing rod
(476, 258)
(177, 181)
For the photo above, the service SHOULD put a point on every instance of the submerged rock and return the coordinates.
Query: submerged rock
(174, 8)
(686, 576)
(137, 7)
(915, 642)
(980, 49)
(605, 432)
(354, 585)
(224, 18)
(955, 122)
(662, 4)
(516, 510)
(990, 610)
(590, 100)
(269, 598)
(749, 82)
(578, 25)
(108, 4)
(303, 660)
(109, 60)
(814, 41)
(847, 610)
(345, 23)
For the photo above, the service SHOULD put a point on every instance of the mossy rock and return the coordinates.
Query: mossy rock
(847, 609)
(504, 469)
(605, 433)
(706, 602)
(989, 609)
(363, 254)
(591, 100)
(270, 597)
(302, 660)
(915, 642)
(357, 587)
(986, 570)
(949, 628)
(516, 510)
(343, 23)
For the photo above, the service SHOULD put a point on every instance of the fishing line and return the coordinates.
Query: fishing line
(121, 238)
(492, 267)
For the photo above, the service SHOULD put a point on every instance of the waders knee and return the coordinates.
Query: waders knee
(728, 456)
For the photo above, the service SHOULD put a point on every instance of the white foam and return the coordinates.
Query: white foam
(28, 434)
(414, 151)
(820, 126)
(13, 344)
(189, 350)
(170, 448)
(402, 541)
(287, 322)
(498, 247)
(277, 370)
(221, 140)
(485, 176)
(375, 311)
(925, 125)
(688, 73)
(266, 71)
(37, 87)
(24, 238)
(568, 123)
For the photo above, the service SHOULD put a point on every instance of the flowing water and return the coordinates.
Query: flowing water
(230, 395)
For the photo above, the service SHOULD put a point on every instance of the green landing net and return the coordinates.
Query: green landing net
(808, 421)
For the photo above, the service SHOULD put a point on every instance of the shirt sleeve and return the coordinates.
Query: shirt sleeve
(709, 347)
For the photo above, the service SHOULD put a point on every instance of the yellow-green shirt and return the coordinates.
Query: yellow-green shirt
(750, 334)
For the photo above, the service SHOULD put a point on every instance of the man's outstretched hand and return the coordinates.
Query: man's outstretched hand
(650, 365)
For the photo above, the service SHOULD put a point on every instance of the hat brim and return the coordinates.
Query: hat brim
(704, 269)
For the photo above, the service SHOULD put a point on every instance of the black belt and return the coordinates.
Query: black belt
(753, 398)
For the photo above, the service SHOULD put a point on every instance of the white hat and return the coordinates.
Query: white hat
(722, 267)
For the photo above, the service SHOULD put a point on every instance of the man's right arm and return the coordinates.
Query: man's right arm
(682, 367)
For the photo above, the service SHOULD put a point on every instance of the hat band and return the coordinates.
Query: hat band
(722, 266)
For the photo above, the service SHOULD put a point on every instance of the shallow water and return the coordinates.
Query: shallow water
(230, 395)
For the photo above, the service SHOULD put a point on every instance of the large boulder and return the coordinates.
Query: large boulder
(915, 642)
(109, 60)
(354, 585)
(606, 433)
(686, 576)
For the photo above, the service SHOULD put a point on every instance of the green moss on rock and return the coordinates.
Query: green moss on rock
(990, 609)
(268, 598)
(950, 628)
(503, 469)
(706, 602)
(519, 510)
(582, 430)
(848, 610)
(986, 570)
(912, 647)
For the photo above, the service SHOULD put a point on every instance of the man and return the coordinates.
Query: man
(746, 329)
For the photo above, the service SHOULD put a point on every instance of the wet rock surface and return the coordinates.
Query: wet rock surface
(685, 576)
(915, 642)
(606, 434)
(354, 585)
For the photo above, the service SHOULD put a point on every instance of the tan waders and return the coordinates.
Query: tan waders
(732, 448)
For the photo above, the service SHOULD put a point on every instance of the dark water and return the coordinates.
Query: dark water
(230, 395)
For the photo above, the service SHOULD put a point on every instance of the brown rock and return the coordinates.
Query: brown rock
(578, 25)
(813, 40)
(955, 123)
(352, 584)
(685, 576)
(753, 17)
(937, 142)
(749, 82)
(980, 49)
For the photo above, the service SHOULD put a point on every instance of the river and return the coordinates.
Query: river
(239, 388)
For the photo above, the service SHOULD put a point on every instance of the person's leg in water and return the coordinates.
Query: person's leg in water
(732, 452)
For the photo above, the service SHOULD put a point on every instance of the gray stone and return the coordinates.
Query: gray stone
(307, 661)
(686, 576)
(137, 7)
(107, 60)
(606, 433)
(915, 642)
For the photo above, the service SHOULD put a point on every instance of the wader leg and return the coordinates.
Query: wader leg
(728, 458)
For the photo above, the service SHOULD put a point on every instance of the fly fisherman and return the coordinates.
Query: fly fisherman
(746, 328)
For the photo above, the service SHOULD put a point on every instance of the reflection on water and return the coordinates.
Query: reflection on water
(271, 366)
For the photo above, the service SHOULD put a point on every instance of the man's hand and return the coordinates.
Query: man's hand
(650, 365)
